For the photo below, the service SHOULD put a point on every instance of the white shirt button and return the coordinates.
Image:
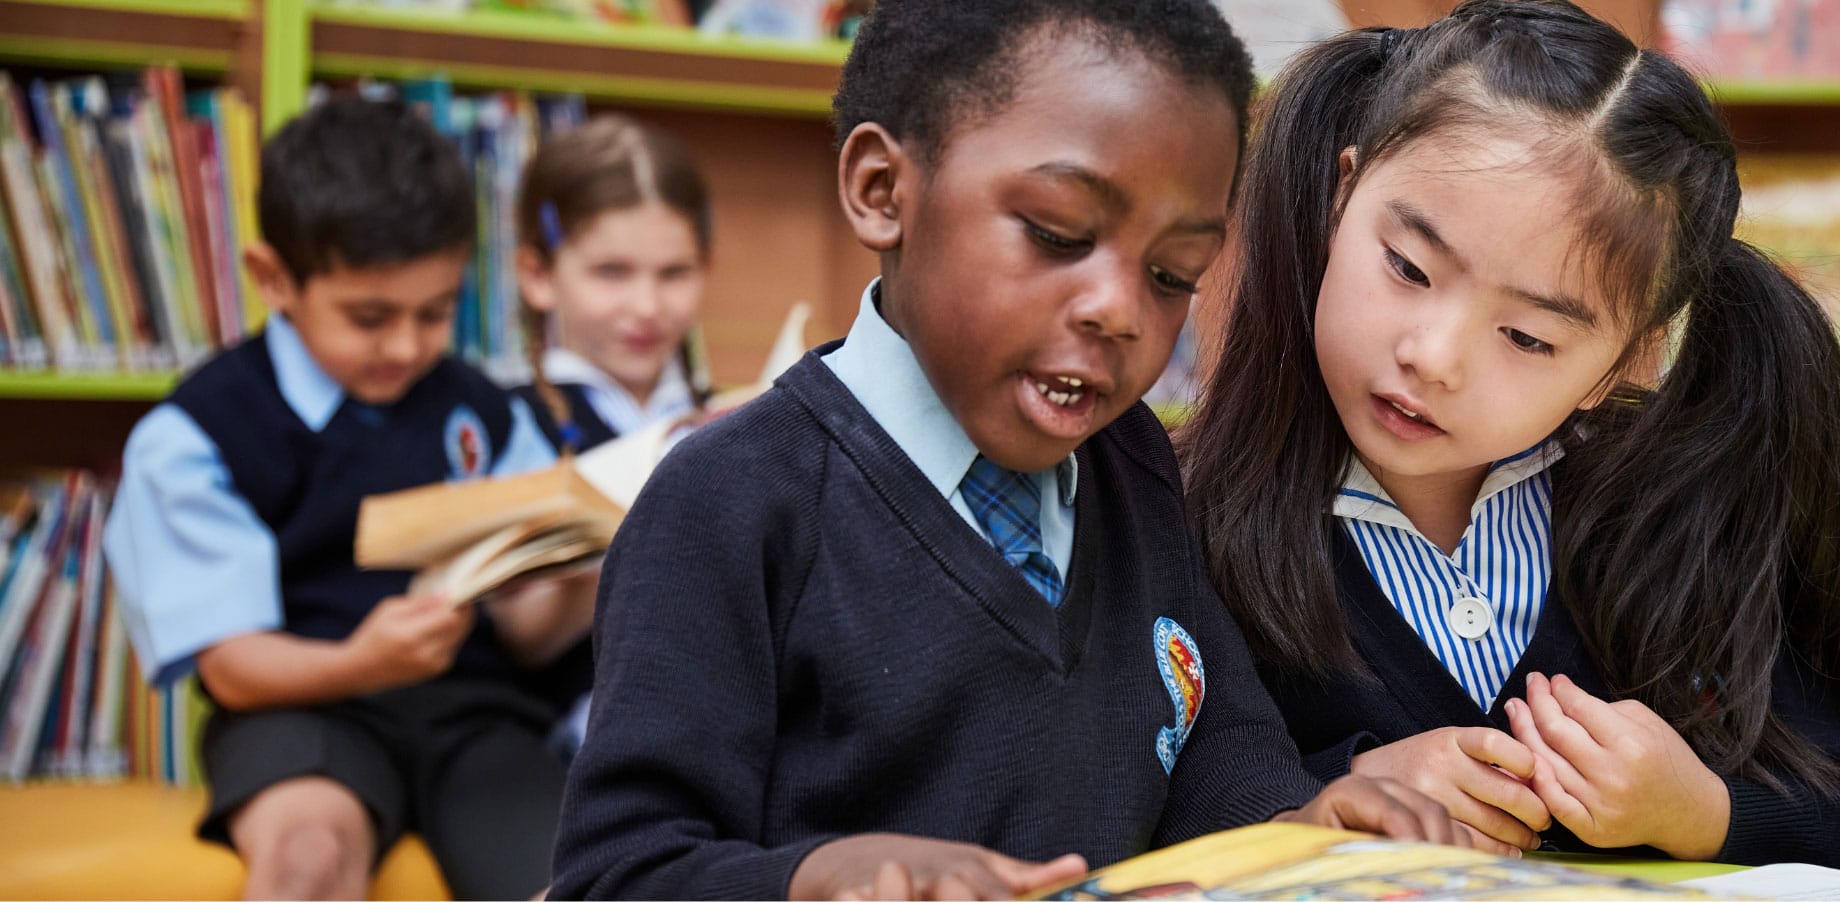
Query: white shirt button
(1471, 618)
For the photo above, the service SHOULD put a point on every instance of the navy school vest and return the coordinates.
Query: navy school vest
(306, 485)
(594, 430)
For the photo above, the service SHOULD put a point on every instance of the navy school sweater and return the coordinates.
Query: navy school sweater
(306, 485)
(799, 639)
(1336, 720)
(594, 430)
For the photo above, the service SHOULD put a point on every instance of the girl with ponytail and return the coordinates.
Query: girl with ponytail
(613, 248)
(1520, 472)
(613, 245)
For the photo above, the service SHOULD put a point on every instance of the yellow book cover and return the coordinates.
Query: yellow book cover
(242, 150)
(1296, 861)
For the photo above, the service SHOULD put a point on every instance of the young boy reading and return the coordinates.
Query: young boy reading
(929, 610)
(345, 711)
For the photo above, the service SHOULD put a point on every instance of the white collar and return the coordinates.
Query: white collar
(671, 397)
(879, 367)
(1363, 498)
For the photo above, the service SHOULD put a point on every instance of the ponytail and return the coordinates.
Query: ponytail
(536, 343)
(608, 163)
(1731, 469)
(1265, 441)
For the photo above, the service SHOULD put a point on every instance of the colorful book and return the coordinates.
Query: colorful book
(1296, 861)
(106, 755)
(173, 241)
(240, 147)
(58, 182)
(42, 260)
(69, 750)
(165, 85)
(37, 665)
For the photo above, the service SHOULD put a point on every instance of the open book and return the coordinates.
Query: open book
(1295, 861)
(465, 539)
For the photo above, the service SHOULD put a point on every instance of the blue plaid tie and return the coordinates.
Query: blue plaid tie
(1007, 504)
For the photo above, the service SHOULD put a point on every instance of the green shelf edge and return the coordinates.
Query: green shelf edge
(1787, 93)
(108, 53)
(685, 94)
(284, 65)
(534, 27)
(63, 386)
(201, 9)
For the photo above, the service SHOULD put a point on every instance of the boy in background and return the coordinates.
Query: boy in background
(346, 712)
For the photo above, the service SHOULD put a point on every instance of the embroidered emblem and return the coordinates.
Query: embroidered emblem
(469, 450)
(1180, 663)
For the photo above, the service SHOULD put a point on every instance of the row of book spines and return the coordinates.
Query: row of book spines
(126, 212)
(73, 704)
(108, 264)
(496, 133)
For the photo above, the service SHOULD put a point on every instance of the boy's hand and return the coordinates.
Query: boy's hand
(1479, 774)
(406, 639)
(892, 866)
(1379, 806)
(1616, 774)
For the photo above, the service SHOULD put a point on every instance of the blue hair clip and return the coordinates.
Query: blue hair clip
(552, 225)
(570, 434)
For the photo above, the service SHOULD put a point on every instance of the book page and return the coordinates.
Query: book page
(510, 553)
(1773, 881)
(1295, 861)
(416, 527)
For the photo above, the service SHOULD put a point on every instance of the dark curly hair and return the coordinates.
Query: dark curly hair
(922, 67)
(362, 182)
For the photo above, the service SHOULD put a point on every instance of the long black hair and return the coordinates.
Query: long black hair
(1697, 518)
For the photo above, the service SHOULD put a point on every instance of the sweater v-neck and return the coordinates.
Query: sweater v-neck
(1057, 634)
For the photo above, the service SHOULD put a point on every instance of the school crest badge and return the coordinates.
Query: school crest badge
(1179, 661)
(469, 449)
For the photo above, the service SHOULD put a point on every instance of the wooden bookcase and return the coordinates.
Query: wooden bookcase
(754, 111)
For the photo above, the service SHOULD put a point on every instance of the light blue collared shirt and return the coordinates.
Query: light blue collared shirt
(616, 406)
(1476, 609)
(193, 563)
(879, 368)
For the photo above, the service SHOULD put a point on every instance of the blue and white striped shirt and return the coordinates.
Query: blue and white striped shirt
(1476, 609)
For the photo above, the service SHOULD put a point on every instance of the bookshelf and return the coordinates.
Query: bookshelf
(201, 37)
(755, 110)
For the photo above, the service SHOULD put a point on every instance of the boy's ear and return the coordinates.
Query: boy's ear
(271, 276)
(874, 177)
(534, 281)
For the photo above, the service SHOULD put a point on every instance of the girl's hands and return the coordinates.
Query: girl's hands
(1479, 774)
(1616, 774)
(893, 866)
(1379, 806)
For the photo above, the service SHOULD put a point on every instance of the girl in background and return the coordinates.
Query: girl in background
(613, 250)
(613, 233)
(1438, 462)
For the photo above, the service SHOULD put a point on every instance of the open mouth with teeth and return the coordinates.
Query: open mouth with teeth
(1403, 421)
(1058, 404)
(1066, 391)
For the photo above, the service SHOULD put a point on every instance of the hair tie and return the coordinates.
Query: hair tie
(570, 435)
(1389, 42)
(552, 226)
